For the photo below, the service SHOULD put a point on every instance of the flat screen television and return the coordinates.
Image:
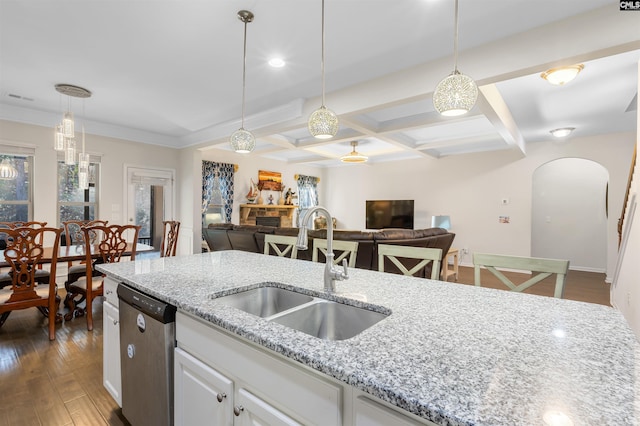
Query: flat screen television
(389, 214)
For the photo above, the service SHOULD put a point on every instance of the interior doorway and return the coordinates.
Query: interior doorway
(150, 194)
(569, 213)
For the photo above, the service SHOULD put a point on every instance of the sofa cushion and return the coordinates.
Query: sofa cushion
(401, 234)
(217, 239)
(221, 226)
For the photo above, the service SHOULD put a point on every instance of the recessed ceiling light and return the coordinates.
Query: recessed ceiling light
(562, 75)
(277, 62)
(563, 132)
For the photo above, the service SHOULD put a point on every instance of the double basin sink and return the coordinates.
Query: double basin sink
(321, 318)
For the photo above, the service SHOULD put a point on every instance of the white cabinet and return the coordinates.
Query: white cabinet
(223, 379)
(267, 388)
(111, 343)
(252, 411)
(204, 396)
(201, 394)
(367, 412)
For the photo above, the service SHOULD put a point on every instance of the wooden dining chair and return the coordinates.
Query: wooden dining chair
(42, 275)
(74, 235)
(171, 229)
(24, 253)
(341, 250)
(111, 248)
(409, 256)
(540, 268)
(282, 245)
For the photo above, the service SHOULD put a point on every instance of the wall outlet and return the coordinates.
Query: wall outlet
(504, 201)
(465, 250)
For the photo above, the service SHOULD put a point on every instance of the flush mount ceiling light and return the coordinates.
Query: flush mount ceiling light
(354, 156)
(562, 132)
(323, 123)
(457, 93)
(243, 141)
(562, 75)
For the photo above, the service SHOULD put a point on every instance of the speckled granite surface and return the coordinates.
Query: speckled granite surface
(452, 354)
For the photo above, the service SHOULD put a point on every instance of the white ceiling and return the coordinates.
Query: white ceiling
(170, 72)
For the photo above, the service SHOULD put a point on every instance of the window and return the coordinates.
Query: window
(75, 203)
(307, 194)
(16, 194)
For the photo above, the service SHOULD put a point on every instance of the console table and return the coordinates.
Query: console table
(249, 212)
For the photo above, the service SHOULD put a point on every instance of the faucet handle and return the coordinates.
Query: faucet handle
(345, 274)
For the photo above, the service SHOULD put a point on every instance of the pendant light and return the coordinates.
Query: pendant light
(457, 93)
(58, 143)
(323, 123)
(354, 156)
(7, 170)
(64, 137)
(243, 141)
(83, 166)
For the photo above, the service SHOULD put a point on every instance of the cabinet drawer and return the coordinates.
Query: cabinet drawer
(110, 291)
(301, 394)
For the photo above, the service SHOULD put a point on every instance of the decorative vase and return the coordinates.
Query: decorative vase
(260, 200)
(281, 200)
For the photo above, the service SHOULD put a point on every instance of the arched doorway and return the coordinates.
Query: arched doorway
(569, 213)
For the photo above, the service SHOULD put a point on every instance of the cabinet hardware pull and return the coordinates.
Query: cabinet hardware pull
(221, 396)
(115, 322)
(237, 410)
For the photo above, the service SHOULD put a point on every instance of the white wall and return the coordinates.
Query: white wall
(625, 290)
(569, 197)
(470, 188)
(115, 153)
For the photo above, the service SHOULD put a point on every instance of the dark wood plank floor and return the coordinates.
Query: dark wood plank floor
(60, 382)
(53, 383)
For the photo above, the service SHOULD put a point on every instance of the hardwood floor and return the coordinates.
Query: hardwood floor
(60, 382)
(53, 383)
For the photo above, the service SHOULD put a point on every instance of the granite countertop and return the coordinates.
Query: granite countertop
(450, 353)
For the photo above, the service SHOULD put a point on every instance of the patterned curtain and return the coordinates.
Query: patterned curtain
(217, 186)
(307, 194)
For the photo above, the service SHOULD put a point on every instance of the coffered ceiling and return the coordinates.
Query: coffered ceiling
(170, 73)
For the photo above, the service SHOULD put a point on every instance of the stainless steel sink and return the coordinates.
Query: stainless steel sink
(266, 301)
(315, 316)
(330, 320)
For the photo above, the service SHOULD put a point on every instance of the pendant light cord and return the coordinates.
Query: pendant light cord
(322, 61)
(455, 40)
(244, 70)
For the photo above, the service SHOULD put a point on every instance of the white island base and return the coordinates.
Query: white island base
(225, 380)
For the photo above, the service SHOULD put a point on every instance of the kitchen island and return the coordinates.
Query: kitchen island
(448, 353)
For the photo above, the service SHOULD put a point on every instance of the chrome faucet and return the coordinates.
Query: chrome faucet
(331, 273)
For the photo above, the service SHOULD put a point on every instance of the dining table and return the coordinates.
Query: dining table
(78, 252)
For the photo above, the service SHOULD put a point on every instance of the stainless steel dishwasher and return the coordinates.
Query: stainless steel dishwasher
(147, 341)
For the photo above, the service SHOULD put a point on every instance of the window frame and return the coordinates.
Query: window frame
(10, 150)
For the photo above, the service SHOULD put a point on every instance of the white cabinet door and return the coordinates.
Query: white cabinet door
(369, 413)
(202, 396)
(252, 411)
(111, 351)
